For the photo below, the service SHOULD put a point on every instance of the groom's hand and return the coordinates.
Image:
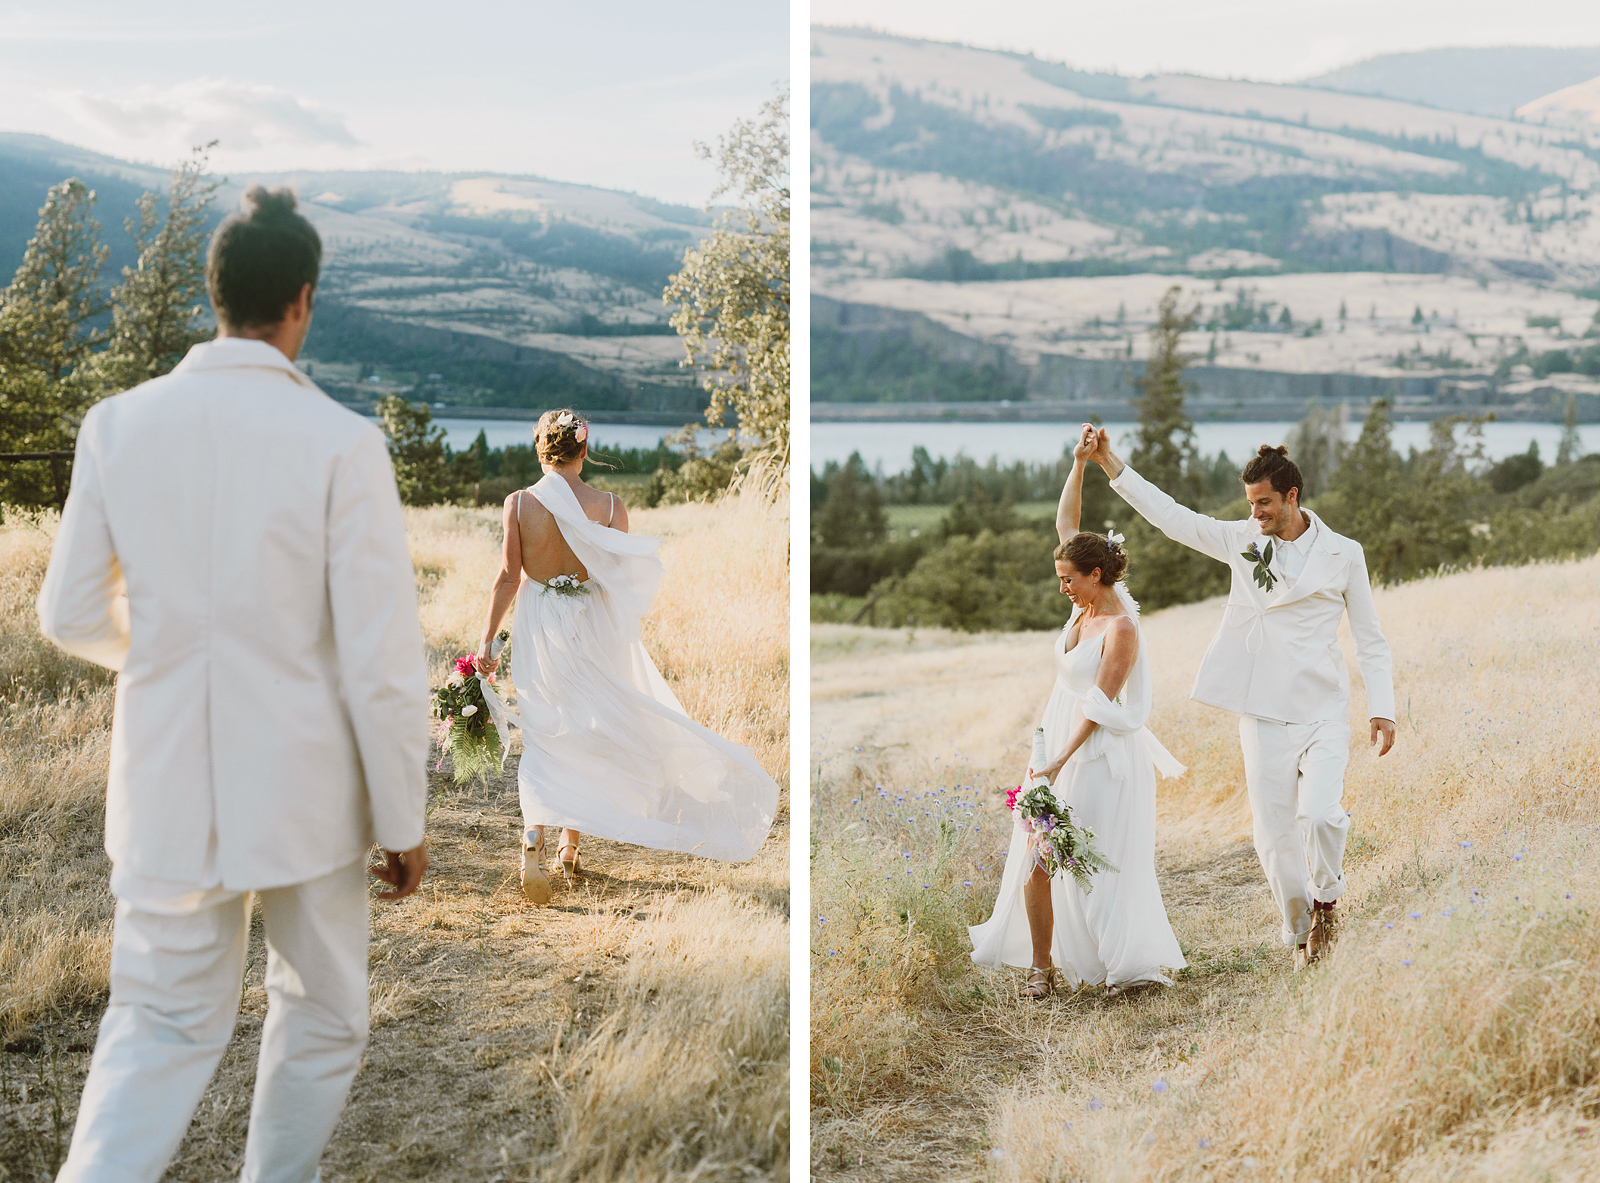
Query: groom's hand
(402, 871)
(1385, 728)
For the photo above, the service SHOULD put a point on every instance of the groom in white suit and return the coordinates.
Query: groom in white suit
(233, 546)
(1276, 662)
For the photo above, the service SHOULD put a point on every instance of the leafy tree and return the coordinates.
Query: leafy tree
(423, 466)
(982, 513)
(702, 475)
(1163, 448)
(732, 293)
(1515, 472)
(987, 581)
(157, 308)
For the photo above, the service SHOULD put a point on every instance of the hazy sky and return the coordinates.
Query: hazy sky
(610, 94)
(1281, 41)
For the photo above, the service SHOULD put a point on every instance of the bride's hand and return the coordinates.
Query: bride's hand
(1088, 441)
(487, 664)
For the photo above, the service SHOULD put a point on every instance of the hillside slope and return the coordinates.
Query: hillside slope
(514, 290)
(1480, 81)
(942, 173)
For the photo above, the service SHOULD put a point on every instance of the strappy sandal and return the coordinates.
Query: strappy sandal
(1040, 984)
(535, 883)
(569, 867)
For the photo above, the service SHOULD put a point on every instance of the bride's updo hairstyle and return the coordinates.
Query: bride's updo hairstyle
(560, 436)
(1086, 551)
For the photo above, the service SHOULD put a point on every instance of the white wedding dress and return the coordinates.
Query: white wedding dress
(1118, 933)
(606, 748)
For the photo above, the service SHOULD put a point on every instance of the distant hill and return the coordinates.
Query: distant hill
(468, 287)
(986, 222)
(1478, 81)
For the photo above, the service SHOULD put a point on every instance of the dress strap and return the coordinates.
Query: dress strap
(613, 516)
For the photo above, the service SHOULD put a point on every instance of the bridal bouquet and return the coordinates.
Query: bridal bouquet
(1058, 844)
(472, 721)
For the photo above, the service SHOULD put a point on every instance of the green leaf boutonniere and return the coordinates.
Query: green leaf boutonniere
(1264, 577)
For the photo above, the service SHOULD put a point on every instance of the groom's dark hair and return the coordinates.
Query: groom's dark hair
(1273, 464)
(260, 258)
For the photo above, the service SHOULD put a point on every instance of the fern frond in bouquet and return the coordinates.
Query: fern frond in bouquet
(468, 729)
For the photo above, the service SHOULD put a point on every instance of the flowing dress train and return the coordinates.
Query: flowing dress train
(1117, 934)
(607, 749)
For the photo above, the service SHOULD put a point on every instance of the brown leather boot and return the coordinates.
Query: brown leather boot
(1320, 939)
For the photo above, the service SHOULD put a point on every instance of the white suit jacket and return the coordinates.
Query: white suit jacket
(1277, 653)
(233, 545)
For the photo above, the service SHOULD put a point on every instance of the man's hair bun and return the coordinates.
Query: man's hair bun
(262, 202)
(1273, 464)
(261, 258)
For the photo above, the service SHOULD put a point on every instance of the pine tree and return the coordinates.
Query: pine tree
(156, 309)
(47, 333)
(1164, 448)
(1571, 443)
(422, 461)
(47, 313)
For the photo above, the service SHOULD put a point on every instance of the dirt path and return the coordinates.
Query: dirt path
(475, 996)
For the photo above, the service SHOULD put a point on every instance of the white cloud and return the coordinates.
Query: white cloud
(241, 117)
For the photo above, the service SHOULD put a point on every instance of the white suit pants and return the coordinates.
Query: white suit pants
(175, 987)
(1294, 774)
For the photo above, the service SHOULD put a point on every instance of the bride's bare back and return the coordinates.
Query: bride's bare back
(542, 550)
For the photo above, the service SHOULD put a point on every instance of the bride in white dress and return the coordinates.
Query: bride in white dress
(606, 748)
(1105, 772)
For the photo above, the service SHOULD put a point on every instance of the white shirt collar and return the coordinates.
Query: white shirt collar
(1304, 539)
(223, 353)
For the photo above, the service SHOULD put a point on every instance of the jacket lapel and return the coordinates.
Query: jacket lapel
(1322, 564)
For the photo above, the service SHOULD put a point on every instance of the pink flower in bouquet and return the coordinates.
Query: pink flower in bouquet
(466, 666)
(1011, 797)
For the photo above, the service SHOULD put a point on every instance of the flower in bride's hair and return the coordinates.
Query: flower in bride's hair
(563, 419)
(582, 433)
(1114, 538)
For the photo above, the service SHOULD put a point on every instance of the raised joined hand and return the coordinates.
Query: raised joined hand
(1088, 443)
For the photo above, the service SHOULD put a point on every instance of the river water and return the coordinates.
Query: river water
(459, 433)
(888, 445)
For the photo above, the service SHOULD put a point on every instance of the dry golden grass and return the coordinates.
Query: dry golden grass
(637, 1028)
(1455, 1032)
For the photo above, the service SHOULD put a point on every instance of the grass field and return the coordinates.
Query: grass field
(1453, 1034)
(926, 518)
(635, 1028)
